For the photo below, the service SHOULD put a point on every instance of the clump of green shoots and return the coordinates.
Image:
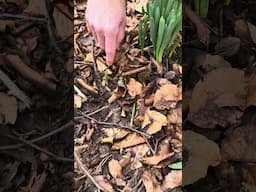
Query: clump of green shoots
(165, 19)
(201, 7)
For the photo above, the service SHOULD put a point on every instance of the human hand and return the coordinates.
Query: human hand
(106, 20)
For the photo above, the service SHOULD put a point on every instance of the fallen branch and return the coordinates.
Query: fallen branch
(53, 132)
(58, 158)
(138, 70)
(28, 73)
(84, 169)
(116, 125)
(89, 88)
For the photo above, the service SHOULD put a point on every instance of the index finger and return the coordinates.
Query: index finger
(110, 47)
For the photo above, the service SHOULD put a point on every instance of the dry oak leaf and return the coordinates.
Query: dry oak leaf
(175, 116)
(214, 96)
(115, 132)
(139, 152)
(8, 109)
(104, 183)
(202, 153)
(167, 96)
(36, 8)
(129, 141)
(172, 180)
(149, 182)
(240, 144)
(115, 168)
(155, 160)
(155, 120)
(134, 87)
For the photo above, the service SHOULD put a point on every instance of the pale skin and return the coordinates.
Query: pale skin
(106, 20)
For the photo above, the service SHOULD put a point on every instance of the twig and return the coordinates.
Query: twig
(17, 63)
(67, 125)
(135, 71)
(89, 88)
(23, 17)
(80, 93)
(14, 90)
(50, 28)
(116, 125)
(97, 111)
(64, 159)
(84, 169)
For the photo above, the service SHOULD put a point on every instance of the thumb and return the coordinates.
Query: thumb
(110, 47)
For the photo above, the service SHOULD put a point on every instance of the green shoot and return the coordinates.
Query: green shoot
(165, 18)
(133, 114)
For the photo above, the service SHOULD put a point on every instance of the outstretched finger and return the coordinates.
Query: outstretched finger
(110, 47)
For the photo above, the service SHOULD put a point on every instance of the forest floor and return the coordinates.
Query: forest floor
(127, 117)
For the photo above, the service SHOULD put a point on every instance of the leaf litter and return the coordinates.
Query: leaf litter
(132, 139)
(219, 98)
(35, 85)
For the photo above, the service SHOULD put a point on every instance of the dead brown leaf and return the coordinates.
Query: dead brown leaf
(115, 168)
(212, 96)
(155, 160)
(167, 96)
(77, 101)
(202, 153)
(129, 141)
(149, 182)
(104, 183)
(240, 145)
(8, 109)
(134, 87)
(64, 26)
(155, 120)
(36, 8)
(172, 180)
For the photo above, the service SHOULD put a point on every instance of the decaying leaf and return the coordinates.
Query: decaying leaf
(201, 153)
(115, 132)
(167, 96)
(150, 183)
(154, 160)
(129, 141)
(139, 152)
(134, 87)
(104, 183)
(212, 97)
(209, 62)
(36, 8)
(240, 144)
(64, 26)
(155, 120)
(172, 180)
(8, 109)
(227, 47)
(115, 168)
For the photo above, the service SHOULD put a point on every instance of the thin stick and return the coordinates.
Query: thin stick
(135, 71)
(97, 111)
(64, 159)
(23, 17)
(8, 147)
(14, 90)
(85, 170)
(116, 125)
